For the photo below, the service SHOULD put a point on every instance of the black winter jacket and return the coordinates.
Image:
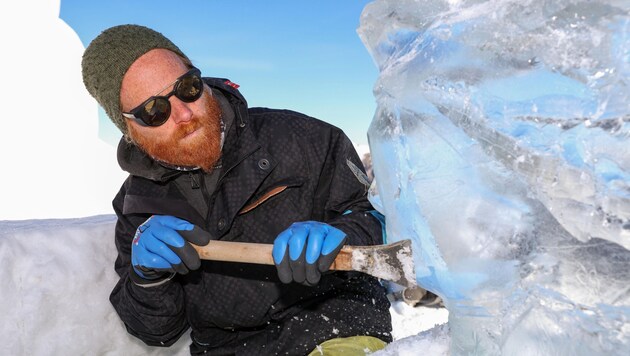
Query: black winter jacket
(278, 167)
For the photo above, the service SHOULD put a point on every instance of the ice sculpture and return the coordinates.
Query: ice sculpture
(501, 147)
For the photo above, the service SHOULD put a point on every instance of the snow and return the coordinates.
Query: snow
(409, 321)
(433, 342)
(57, 277)
(51, 154)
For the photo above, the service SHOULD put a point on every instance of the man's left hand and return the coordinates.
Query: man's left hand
(305, 250)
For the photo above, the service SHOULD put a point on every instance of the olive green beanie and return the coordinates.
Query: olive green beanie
(108, 57)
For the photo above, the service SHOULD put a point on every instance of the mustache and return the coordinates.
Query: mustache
(185, 129)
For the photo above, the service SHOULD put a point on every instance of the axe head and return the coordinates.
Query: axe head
(392, 262)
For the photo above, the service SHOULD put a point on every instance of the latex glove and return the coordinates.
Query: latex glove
(305, 250)
(158, 248)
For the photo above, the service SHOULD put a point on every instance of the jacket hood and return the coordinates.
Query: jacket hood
(136, 162)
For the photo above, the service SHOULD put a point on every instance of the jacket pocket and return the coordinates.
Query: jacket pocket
(270, 193)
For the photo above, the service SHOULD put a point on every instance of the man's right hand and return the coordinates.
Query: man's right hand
(158, 248)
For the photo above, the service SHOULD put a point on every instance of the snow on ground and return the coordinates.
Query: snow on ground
(56, 278)
(433, 342)
(409, 321)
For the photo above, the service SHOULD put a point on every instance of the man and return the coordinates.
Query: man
(200, 160)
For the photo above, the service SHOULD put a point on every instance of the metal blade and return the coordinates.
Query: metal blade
(393, 262)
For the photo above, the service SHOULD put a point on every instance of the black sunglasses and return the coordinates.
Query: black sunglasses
(157, 109)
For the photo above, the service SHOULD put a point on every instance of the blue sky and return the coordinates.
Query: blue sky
(299, 55)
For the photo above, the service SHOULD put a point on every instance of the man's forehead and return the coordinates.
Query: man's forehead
(159, 66)
(148, 75)
(157, 59)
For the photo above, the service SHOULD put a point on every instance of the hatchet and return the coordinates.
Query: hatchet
(391, 262)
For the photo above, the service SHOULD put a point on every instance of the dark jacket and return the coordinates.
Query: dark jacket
(278, 167)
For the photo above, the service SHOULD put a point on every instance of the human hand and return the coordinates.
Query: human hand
(305, 250)
(158, 248)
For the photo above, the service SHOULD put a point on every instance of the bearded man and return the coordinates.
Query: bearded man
(198, 157)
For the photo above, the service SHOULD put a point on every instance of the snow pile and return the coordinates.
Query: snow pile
(501, 147)
(57, 277)
(55, 164)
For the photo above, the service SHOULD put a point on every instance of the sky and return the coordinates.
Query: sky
(299, 55)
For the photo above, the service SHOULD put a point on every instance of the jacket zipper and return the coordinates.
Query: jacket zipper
(206, 198)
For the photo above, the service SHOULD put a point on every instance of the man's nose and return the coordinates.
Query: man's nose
(180, 111)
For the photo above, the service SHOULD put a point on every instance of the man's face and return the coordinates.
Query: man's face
(192, 134)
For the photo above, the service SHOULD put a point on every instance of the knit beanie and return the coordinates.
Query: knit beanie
(108, 57)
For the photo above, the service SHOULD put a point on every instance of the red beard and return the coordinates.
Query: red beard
(202, 150)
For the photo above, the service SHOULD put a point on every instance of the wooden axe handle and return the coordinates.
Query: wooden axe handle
(246, 252)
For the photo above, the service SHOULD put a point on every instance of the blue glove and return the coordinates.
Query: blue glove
(305, 250)
(158, 248)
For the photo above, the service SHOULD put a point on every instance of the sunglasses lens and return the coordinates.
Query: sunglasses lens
(155, 112)
(189, 88)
